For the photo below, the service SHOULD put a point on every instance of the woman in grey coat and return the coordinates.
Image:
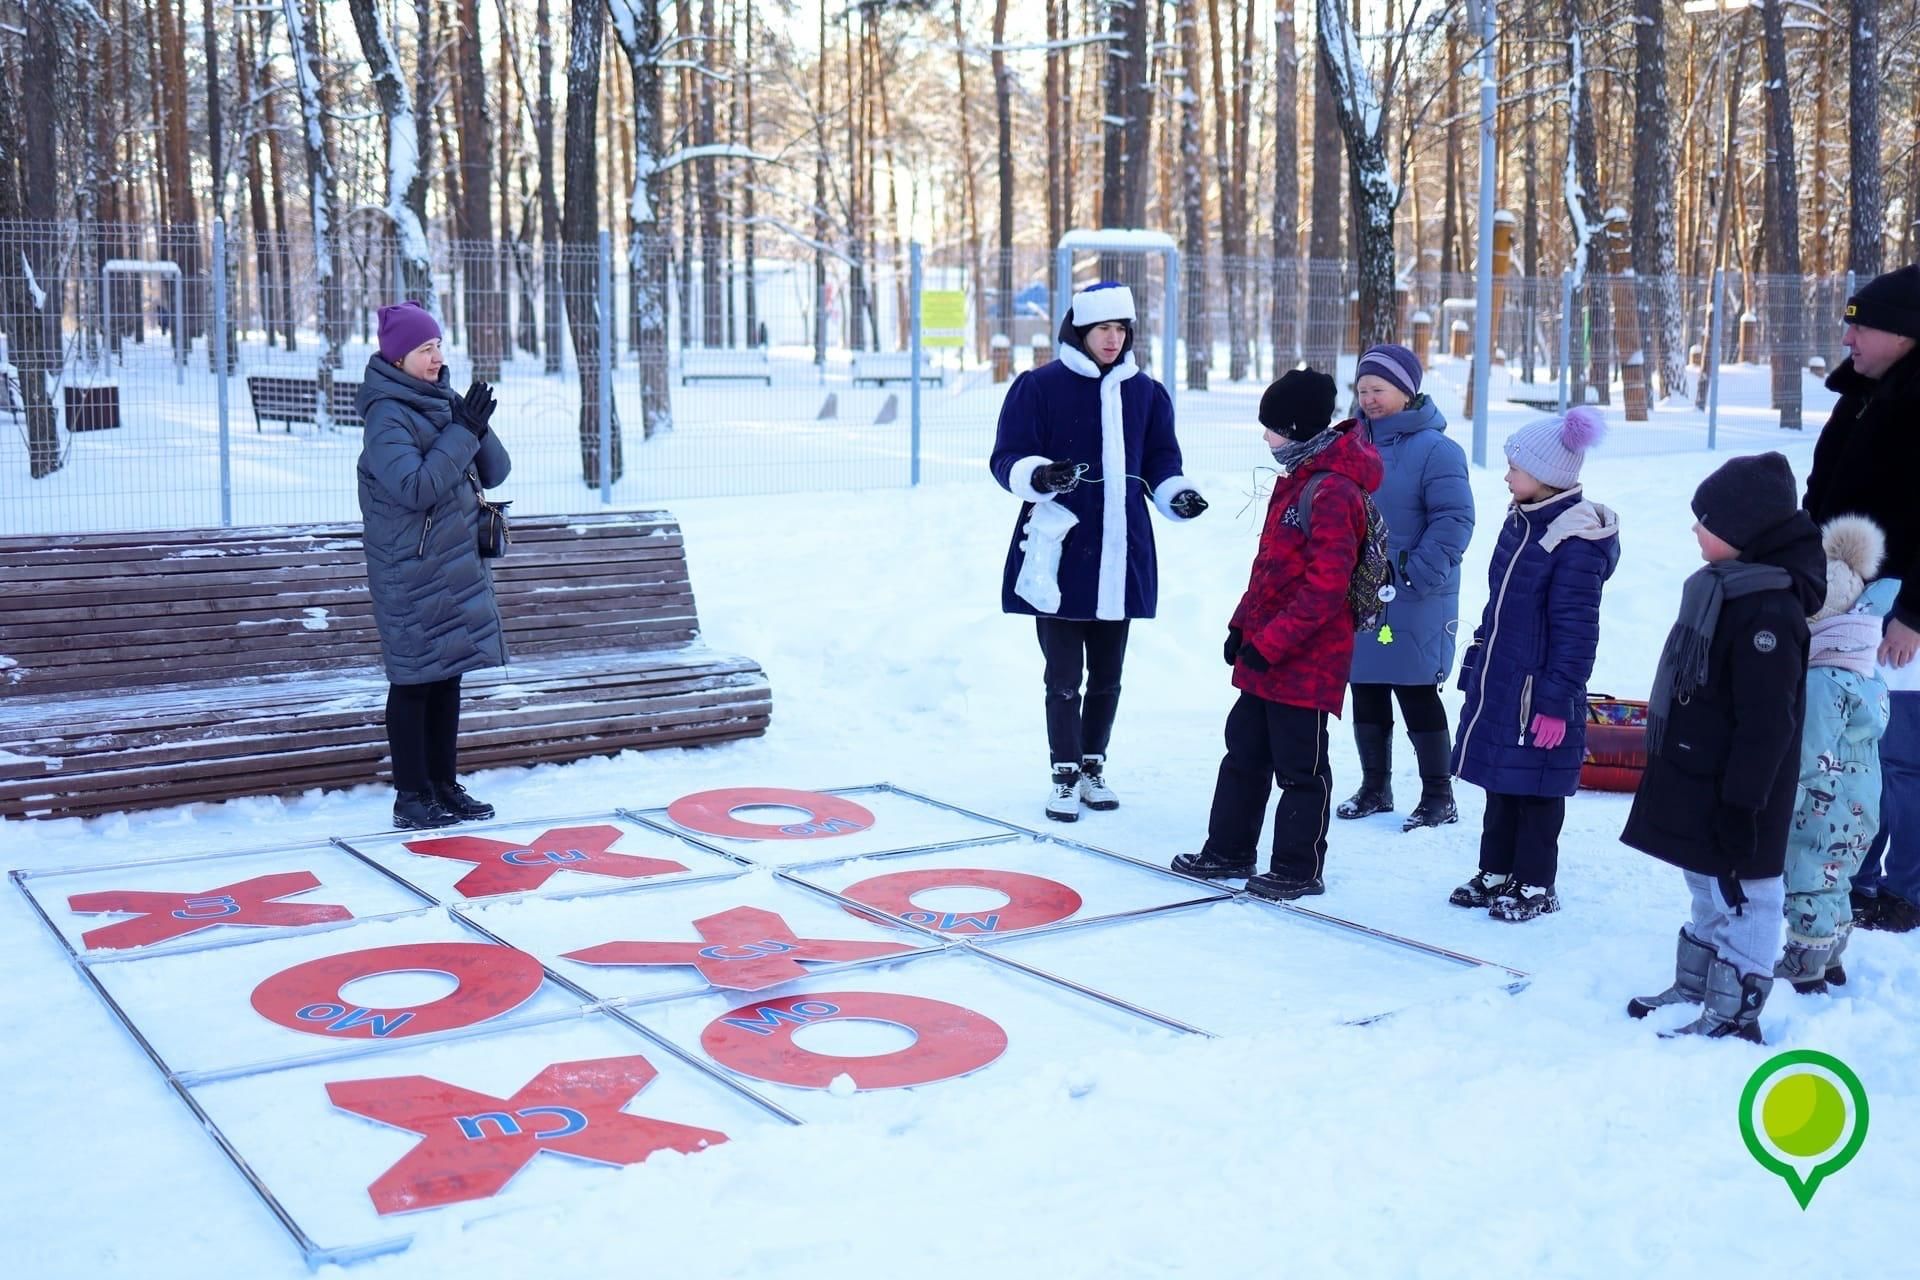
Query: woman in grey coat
(426, 455)
(1428, 508)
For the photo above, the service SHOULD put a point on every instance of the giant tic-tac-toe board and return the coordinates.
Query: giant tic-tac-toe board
(464, 1021)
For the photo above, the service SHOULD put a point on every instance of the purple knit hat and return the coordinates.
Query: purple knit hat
(1395, 363)
(404, 326)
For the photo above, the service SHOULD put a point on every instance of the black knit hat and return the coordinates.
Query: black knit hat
(1890, 302)
(1746, 497)
(1299, 405)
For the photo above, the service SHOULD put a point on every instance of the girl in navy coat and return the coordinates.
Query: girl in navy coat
(1086, 440)
(1428, 508)
(1523, 725)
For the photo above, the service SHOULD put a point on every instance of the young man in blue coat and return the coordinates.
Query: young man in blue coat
(1086, 441)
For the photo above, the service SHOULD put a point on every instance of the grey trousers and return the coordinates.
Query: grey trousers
(1749, 940)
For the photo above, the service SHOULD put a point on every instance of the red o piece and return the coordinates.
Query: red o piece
(711, 813)
(492, 980)
(757, 1040)
(1031, 900)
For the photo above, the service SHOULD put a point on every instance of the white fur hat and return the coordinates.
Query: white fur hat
(1099, 303)
(1855, 546)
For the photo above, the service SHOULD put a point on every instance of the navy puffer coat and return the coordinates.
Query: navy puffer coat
(432, 593)
(1535, 646)
(1428, 507)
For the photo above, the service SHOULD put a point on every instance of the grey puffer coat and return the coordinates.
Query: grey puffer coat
(432, 593)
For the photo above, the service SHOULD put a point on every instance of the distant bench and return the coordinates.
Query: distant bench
(140, 670)
(724, 365)
(880, 368)
(290, 400)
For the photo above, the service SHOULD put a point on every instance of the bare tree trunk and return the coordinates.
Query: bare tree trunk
(1363, 123)
(550, 234)
(1654, 255)
(1126, 124)
(1003, 111)
(1326, 293)
(475, 220)
(748, 197)
(706, 182)
(1583, 213)
(406, 176)
(1057, 156)
(581, 235)
(1865, 203)
(1193, 200)
(966, 163)
(1284, 323)
(321, 199)
(1784, 303)
(30, 287)
(636, 24)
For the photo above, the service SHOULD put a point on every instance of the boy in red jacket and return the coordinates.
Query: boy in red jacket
(1290, 645)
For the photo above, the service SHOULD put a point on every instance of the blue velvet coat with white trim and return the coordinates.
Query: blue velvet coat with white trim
(1121, 426)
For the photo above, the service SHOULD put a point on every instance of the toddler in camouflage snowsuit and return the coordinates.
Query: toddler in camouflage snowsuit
(1838, 805)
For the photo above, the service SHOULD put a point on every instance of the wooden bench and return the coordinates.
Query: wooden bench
(290, 400)
(701, 364)
(880, 368)
(141, 670)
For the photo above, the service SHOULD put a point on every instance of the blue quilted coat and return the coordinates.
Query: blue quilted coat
(1535, 646)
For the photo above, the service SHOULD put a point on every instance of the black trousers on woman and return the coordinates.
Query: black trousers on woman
(423, 729)
(1419, 705)
(1079, 725)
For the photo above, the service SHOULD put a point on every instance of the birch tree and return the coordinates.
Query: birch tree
(636, 25)
(1654, 253)
(406, 177)
(579, 227)
(1363, 124)
(321, 200)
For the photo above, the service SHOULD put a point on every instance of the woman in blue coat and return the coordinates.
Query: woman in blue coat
(1086, 440)
(1428, 508)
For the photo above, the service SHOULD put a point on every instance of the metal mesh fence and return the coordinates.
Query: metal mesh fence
(731, 378)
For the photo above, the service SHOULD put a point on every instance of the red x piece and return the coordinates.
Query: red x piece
(165, 915)
(472, 1144)
(746, 949)
(510, 868)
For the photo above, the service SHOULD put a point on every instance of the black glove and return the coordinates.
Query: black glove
(1056, 477)
(1234, 642)
(1735, 831)
(1252, 659)
(1187, 504)
(474, 409)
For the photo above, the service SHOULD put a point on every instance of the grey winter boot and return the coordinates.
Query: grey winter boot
(1375, 744)
(1804, 964)
(1434, 750)
(1732, 1007)
(1836, 975)
(1690, 964)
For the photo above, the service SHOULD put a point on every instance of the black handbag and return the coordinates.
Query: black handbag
(495, 533)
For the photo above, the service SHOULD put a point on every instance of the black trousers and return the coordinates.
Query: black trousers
(1080, 725)
(1269, 742)
(1419, 706)
(1520, 837)
(423, 729)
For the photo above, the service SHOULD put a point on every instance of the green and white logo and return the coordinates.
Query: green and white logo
(1804, 1116)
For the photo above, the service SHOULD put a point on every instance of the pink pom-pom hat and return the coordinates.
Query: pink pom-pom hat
(1551, 449)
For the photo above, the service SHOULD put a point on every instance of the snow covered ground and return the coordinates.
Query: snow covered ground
(1539, 1133)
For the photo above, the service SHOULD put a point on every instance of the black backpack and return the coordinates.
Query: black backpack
(1370, 587)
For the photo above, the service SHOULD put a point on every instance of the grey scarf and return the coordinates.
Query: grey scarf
(1295, 454)
(1683, 662)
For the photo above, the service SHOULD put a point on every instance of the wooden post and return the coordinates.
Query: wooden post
(1460, 340)
(1749, 338)
(1002, 348)
(1042, 349)
(1422, 343)
(1626, 317)
(1503, 224)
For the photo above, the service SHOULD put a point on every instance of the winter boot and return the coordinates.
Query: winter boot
(1894, 914)
(1804, 964)
(1733, 1005)
(1434, 750)
(1206, 865)
(1836, 973)
(1064, 804)
(1479, 891)
(418, 810)
(1375, 743)
(1690, 964)
(1517, 903)
(1094, 791)
(455, 799)
(1284, 886)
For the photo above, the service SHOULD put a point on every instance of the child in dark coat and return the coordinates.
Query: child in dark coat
(1724, 724)
(1523, 725)
(1290, 644)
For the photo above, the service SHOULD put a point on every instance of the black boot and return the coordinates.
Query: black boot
(1434, 750)
(454, 798)
(1375, 744)
(1206, 865)
(418, 810)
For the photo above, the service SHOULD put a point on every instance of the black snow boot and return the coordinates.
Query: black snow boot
(1284, 886)
(1517, 903)
(418, 810)
(455, 799)
(1733, 1005)
(1690, 964)
(1434, 750)
(1206, 865)
(1480, 891)
(1375, 744)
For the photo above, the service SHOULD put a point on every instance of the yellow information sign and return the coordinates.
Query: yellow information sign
(943, 318)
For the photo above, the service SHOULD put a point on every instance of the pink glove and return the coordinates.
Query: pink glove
(1548, 731)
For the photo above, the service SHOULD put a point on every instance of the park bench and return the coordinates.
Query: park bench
(277, 398)
(882, 367)
(699, 364)
(150, 669)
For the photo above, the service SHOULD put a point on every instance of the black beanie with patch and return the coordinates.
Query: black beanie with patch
(1890, 303)
(1746, 497)
(1299, 404)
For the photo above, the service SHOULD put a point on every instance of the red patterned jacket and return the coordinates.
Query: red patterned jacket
(1295, 608)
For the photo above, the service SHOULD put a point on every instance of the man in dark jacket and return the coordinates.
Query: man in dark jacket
(1864, 464)
(1723, 739)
